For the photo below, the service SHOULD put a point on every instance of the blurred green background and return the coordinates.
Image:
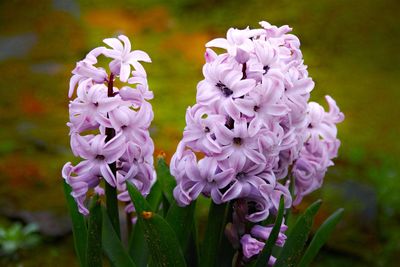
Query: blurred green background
(351, 48)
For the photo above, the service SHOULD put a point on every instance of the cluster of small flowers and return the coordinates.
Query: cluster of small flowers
(109, 125)
(252, 123)
(320, 147)
(252, 246)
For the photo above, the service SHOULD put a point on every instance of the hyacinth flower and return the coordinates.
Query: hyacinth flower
(109, 125)
(253, 243)
(253, 120)
(253, 143)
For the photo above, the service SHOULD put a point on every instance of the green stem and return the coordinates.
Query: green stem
(111, 192)
(226, 251)
(213, 235)
(291, 190)
(112, 208)
(93, 250)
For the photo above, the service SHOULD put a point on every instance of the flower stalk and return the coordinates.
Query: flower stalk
(110, 191)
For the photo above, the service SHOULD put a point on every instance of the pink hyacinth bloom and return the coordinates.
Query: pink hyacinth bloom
(263, 104)
(238, 145)
(252, 246)
(205, 178)
(109, 126)
(246, 177)
(123, 57)
(92, 106)
(236, 42)
(222, 84)
(253, 116)
(263, 233)
(319, 150)
(98, 154)
(199, 131)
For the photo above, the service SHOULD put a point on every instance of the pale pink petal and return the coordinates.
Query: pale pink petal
(218, 42)
(114, 43)
(107, 174)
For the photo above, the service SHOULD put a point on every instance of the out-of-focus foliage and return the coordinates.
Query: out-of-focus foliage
(18, 237)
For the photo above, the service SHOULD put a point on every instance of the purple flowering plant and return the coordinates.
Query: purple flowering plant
(253, 143)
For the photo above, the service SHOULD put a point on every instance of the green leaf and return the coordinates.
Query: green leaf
(181, 220)
(192, 250)
(291, 190)
(112, 206)
(167, 181)
(93, 249)
(161, 239)
(213, 235)
(226, 251)
(139, 202)
(320, 237)
(297, 237)
(78, 226)
(155, 196)
(138, 249)
(163, 244)
(112, 246)
(267, 250)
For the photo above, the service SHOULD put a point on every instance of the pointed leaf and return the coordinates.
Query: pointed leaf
(213, 234)
(161, 239)
(112, 206)
(267, 250)
(320, 237)
(226, 251)
(192, 250)
(163, 244)
(291, 190)
(155, 196)
(167, 181)
(78, 226)
(112, 246)
(181, 220)
(298, 237)
(93, 251)
(138, 249)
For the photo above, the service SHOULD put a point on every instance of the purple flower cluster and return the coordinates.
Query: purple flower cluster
(320, 147)
(253, 243)
(109, 125)
(252, 123)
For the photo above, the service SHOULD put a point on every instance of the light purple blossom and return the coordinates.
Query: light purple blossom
(91, 107)
(199, 132)
(124, 58)
(222, 85)
(237, 42)
(98, 154)
(109, 125)
(253, 117)
(319, 149)
(247, 176)
(253, 244)
(205, 177)
(263, 104)
(238, 145)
